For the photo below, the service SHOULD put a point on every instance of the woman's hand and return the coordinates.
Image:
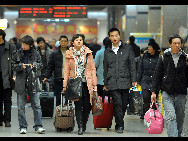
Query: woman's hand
(64, 89)
(75, 100)
(153, 97)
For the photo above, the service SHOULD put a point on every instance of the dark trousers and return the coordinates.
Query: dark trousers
(58, 87)
(147, 100)
(121, 99)
(83, 107)
(6, 99)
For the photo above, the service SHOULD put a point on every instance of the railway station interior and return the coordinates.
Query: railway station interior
(94, 21)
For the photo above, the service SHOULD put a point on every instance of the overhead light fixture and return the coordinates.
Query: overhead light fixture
(66, 20)
(15, 22)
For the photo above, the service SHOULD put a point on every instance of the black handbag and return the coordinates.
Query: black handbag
(74, 87)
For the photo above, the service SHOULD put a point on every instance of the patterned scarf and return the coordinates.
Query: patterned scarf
(79, 61)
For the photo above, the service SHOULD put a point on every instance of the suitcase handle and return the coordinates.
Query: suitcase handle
(61, 108)
(48, 85)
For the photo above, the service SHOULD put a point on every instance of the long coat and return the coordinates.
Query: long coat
(90, 70)
(32, 82)
(167, 77)
(120, 69)
(6, 64)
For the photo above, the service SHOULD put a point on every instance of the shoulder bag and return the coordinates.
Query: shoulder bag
(74, 86)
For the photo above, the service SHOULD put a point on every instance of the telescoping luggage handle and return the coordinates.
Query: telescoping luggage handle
(61, 108)
(48, 88)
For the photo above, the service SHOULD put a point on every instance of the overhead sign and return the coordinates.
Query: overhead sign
(52, 12)
(3, 24)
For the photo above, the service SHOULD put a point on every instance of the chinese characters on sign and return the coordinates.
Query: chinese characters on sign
(53, 12)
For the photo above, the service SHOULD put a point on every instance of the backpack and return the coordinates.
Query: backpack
(153, 120)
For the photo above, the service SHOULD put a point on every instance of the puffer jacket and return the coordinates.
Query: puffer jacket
(146, 70)
(120, 69)
(167, 77)
(90, 70)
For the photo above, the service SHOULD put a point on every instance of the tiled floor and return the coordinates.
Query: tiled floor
(134, 127)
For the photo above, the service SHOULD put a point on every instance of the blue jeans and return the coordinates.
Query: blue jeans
(174, 107)
(35, 104)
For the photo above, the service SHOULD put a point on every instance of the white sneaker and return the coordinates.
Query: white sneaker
(40, 130)
(23, 131)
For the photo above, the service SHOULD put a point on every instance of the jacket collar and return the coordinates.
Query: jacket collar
(110, 46)
(183, 53)
(69, 53)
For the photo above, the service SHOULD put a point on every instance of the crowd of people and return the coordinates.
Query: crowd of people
(114, 67)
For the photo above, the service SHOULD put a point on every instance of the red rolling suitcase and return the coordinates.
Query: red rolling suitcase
(105, 119)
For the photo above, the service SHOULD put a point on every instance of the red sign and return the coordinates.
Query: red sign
(56, 29)
(23, 29)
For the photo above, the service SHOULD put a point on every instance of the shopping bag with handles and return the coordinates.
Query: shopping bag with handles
(153, 120)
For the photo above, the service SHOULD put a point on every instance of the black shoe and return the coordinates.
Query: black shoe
(1, 123)
(142, 117)
(7, 124)
(119, 130)
(80, 131)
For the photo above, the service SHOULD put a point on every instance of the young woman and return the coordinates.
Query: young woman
(75, 59)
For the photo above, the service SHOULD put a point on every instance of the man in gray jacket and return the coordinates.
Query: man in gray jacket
(119, 75)
(45, 53)
(6, 50)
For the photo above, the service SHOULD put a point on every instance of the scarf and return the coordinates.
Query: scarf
(79, 61)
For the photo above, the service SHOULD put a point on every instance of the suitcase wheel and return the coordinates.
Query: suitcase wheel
(69, 129)
(108, 128)
(95, 128)
(59, 129)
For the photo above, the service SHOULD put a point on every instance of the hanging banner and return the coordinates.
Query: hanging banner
(39, 29)
(88, 29)
(55, 29)
(23, 29)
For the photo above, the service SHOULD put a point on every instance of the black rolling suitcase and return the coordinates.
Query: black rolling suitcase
(47, 103)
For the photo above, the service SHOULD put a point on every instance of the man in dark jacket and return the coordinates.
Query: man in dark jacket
(6, 50)
(171, 76)
(119, 75)
(56, 65)
(136, 48)
(45, 53)
(27, 67)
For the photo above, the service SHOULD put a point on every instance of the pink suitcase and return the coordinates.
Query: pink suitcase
(153, 121)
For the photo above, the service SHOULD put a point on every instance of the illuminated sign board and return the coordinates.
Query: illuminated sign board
(3, 24)
(52, 12)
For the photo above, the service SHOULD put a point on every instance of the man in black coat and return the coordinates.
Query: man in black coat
(136, 48)
(119, 75)
(56, 65)
(171, 76)
(6, 50)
